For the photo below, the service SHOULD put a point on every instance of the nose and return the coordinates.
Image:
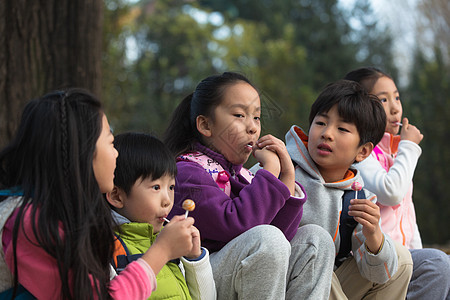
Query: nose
(394, 107)
(327, 133)
(252, 126)
(165, 199)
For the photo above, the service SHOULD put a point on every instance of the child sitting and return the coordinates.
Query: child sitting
(141, 200)
(55, 227)
(249, 223)
(345, 123)
(388, 172)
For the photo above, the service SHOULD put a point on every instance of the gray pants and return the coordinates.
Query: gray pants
(262, 264)
(431, 275)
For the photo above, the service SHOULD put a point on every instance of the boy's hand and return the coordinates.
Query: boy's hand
(174, 241)
(410, 132)
(196, 250)
(176, 237)
(287, 172)
(367, 214)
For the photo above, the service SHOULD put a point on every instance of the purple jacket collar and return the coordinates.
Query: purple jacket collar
(228, 166)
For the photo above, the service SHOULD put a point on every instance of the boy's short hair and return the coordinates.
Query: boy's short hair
(141, 156)
(354, 106)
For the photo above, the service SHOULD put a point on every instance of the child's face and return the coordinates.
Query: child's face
(149, 201)
(386, 90)
(333, 145)
(104, 162)
(236, 124)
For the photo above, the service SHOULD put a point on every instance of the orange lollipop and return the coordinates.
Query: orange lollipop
(188, 205)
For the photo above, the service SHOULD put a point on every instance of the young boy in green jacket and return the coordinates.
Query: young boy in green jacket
(142, 198)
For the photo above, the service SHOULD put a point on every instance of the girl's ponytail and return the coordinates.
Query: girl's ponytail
(180, 135)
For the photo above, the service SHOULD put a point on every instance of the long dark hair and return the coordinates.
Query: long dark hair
(366, 76)
(181, 135)
(50, 159)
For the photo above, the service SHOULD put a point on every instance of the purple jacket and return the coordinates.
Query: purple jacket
(221, 218)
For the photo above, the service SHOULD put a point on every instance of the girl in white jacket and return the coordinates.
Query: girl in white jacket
(388, 172)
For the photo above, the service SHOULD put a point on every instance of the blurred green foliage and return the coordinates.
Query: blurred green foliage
(156, 51)
(427, 102)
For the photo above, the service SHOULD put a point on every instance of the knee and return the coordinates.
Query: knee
(316, 236)
(404, 256)
(270, 241)
(432, 260)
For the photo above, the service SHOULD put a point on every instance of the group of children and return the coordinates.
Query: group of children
(85, 215)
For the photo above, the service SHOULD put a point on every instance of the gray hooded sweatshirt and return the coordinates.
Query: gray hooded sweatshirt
(324, 206)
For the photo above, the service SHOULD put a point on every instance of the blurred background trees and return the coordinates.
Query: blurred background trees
(154, 52)
(290, 50)
(45, 45)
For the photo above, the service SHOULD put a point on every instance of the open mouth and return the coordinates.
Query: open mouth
(324, 147)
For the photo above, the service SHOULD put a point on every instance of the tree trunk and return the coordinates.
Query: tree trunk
(46, 45)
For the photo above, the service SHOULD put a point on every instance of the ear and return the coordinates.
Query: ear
(364, 151)
(116, 197)
(203, 125)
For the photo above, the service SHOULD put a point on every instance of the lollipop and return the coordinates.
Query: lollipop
(188, 205)
(356, 186)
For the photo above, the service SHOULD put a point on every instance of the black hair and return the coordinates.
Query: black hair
(354, 105)
(141, 156)
(366, 76)
(51, 160)
(181, 135)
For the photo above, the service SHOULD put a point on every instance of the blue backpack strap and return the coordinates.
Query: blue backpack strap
(123, 259)
(15, 191)
(21, 294)
(347, 225)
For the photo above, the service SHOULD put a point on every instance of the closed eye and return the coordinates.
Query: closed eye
(343, 129)
(320, 123)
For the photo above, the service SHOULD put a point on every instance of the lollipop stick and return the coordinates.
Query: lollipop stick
(186, 214)
(356, 194)
(165, 219)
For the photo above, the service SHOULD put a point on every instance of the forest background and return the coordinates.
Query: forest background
(143, 57)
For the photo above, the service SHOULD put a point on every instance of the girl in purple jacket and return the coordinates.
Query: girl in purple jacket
(249, 223)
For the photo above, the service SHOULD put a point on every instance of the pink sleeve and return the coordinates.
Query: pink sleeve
(38, 271)
(137, 281)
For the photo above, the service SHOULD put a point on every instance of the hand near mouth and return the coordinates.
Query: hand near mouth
(286, 168)
(267, 159)
(410, 132)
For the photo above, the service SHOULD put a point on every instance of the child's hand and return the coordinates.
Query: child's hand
(287, 171)
(367, 214)
(267, 159)
(410, 132)
(196, 250)
(174, 241)
(177, 236)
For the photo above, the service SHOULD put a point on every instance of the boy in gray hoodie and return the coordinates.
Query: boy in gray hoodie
(345, 124)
